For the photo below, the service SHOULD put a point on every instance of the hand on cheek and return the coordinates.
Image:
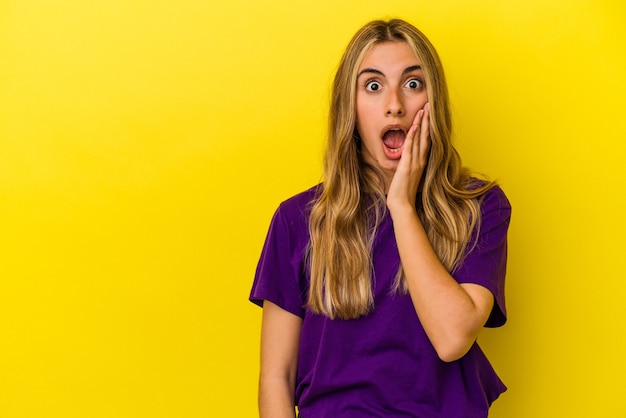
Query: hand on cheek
(403, 188)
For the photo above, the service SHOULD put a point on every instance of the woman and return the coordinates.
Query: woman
(376, 283)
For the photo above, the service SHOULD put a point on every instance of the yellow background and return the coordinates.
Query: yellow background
(144, 146)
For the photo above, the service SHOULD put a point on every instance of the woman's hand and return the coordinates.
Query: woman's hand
(406, 180)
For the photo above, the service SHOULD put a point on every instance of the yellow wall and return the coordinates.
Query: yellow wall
(144, 146)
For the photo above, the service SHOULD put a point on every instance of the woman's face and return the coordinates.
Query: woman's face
(390, 91)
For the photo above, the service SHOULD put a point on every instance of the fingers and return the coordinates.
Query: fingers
(419, 136)
(411, 166)
(411, 136)
(424, 142)
(417, 124)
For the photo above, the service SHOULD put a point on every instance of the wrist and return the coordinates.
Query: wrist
(398, 208)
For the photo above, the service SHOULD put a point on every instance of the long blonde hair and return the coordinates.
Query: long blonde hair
(351, 202)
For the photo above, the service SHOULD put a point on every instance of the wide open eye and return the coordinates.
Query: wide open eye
(414, 84)
(372, 85)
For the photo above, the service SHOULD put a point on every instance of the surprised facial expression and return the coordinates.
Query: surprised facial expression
(390, 92)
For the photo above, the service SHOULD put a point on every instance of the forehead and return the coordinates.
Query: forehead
(390, 56)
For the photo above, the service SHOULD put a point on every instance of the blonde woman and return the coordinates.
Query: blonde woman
(376, 283)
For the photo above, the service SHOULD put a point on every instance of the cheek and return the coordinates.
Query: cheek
(360, 112)
(360, 118)
(366, 106)
(364, 127)
(419, 102)
(364, 117)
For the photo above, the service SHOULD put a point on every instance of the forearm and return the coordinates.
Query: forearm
(449, 314)
(276, 397)
(280, 339)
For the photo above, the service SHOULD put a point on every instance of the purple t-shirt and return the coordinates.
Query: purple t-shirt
(382, 364)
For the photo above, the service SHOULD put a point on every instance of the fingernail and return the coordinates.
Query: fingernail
(427, 106)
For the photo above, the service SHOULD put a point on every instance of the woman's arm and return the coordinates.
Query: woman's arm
(280, 341)
(452, 314)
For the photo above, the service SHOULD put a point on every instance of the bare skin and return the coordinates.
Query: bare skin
(280, 338)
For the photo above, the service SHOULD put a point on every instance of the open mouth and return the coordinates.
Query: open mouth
(393, 139)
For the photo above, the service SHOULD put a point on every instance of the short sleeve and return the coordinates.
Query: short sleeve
(485, 264)
(280, 274)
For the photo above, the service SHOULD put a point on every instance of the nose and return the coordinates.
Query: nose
(395, 106)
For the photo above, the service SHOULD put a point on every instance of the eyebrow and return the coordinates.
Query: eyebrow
(375, 71)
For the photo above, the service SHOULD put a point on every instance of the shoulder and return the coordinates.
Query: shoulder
(493, 199)
(293, 213)
(302, 199)
(495, 202)
(495, 217)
